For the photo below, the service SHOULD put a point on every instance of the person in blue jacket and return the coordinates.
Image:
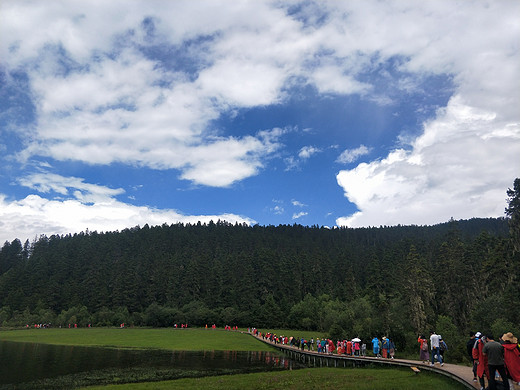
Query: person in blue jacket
(375, 346)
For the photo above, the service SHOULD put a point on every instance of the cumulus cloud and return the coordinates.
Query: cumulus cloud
(125, 94)
(466, 157)
(82, 206)
(104, 101)
(459, 167)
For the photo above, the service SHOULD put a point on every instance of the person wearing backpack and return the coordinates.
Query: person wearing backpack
(443, 347)
(423, 349)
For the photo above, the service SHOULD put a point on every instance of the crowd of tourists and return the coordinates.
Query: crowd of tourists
(491, 359)
(494, 358)
(384, 348)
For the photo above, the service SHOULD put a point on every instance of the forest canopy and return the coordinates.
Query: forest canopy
(400, 280)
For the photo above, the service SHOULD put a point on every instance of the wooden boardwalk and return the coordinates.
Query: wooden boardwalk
(459, 373)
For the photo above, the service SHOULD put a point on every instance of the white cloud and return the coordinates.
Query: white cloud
(331, 79)
(351, 155)
(460, 167)
(298, 203)
(299, 215)
(82, 206)
(307, 151)
(467, 155)
(49, 182)
(278, 210)
(112, 103)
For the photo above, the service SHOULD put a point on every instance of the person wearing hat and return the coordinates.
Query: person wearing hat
(495, 354)
(511, 356)
(386, 347)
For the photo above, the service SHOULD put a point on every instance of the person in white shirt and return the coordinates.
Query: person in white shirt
(435, 346)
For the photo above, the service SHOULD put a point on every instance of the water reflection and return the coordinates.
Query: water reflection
(29, 365)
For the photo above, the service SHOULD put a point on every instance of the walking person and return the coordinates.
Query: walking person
(349, 347)
(375, 347)
(482, 362)
(495, 354)
(424, 355)
(435, 346)
(443, 347)
(469, 348)
(385, 347)
(391, 348)
(511, 356)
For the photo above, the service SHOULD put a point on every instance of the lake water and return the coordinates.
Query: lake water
(43, 366)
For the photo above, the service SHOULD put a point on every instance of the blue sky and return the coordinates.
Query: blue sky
(330, 113)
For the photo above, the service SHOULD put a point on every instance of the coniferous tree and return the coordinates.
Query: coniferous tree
(418, 290)
(513, 212)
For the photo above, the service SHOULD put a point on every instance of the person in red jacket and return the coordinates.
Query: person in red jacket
(482, 368)
(511, 356)
(349, 347)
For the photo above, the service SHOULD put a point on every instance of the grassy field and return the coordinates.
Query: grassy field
(194, 339)
(306, 379)
(206, 339)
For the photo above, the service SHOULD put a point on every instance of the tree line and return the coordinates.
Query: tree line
(399, 281)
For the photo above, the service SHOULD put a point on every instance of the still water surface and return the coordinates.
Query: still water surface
(31, 366)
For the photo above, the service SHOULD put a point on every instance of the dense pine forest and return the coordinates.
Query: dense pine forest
(398, 281)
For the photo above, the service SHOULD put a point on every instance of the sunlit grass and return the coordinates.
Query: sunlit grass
(194, 339)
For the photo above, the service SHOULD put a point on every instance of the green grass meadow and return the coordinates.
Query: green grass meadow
(194, 339)
(306, 379)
